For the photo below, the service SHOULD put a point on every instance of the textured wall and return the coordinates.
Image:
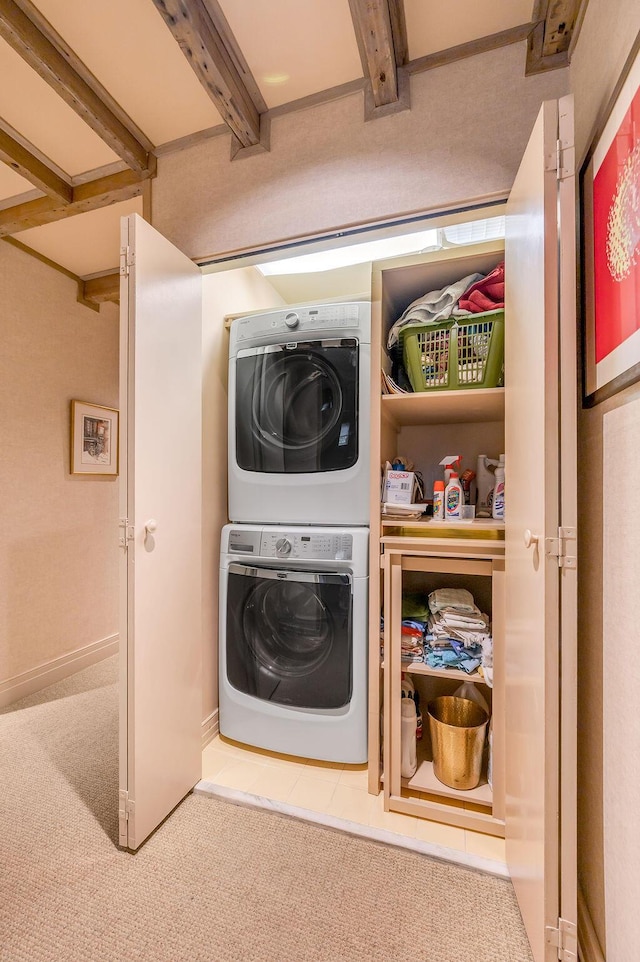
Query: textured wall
(59, 557)
(462, 139)
(608, 33)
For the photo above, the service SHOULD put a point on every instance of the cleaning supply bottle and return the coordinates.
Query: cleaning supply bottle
(485, 482)
(498, 492)
(438, 500)
(408, 753)
(453, 499)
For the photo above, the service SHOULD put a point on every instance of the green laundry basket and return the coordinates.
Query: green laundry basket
(464, 352)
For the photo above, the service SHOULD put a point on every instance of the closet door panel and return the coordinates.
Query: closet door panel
(535, 362)
(161, 610)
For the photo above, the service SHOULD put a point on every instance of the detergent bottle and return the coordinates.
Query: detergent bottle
(485, 482)
(453, 499)
(498, 492)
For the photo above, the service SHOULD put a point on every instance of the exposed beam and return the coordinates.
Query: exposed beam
(39, 45)
(374, 34)
(15, 155)
(551, 39)
(470, 49)
(98, 290)
(101, 192)
(204, 47)
(399, 31)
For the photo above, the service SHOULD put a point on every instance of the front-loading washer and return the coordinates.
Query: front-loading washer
(293, 639)
(299, 402)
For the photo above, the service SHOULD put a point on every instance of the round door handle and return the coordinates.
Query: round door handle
(151, 526)
(530, 539)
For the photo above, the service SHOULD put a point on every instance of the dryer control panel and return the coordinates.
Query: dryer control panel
(311, 547)
(300, 319)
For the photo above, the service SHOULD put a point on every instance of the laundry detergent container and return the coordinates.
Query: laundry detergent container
(458, 728)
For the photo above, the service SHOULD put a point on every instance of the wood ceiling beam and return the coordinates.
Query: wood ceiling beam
(101, 192)
(41, 47)
(372, 22)
(24, 162)
(552, 38)
(211, 58)
(98, 290)
(399, 31)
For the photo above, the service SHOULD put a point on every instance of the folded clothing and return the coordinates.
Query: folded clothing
(458, 598)
(486, 294)
(454, 655)
(415, 606)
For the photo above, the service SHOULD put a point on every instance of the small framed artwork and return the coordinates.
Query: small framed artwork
(610, 209)
(94, 440)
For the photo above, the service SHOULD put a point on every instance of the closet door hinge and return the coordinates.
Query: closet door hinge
(126, 813)
(565, 939)
(127, 260)
(126, 533)
(560, 549)
(565, 160)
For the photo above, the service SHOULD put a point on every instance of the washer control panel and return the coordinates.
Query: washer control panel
(312, 547)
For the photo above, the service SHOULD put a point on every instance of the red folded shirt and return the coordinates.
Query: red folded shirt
(486, 294)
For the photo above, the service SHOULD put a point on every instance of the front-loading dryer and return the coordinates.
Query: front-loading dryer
(299, 401)
(293, 640)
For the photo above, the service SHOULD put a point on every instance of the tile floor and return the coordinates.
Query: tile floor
(330, 789)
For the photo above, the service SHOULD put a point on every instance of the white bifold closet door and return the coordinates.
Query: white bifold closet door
(540, 514)
(160, 529)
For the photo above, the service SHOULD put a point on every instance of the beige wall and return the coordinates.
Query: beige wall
(607, 35)
(463, 138)
(59, 559)
(233, 292)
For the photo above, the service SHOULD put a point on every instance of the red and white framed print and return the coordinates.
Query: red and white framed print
(610, 199)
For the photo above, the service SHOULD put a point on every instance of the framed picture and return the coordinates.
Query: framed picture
(610, 207)
(94, 440)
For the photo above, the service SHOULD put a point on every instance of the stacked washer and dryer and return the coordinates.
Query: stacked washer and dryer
(294, 559)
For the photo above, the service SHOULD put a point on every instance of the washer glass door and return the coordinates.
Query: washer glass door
(289, 636)
(297, 407)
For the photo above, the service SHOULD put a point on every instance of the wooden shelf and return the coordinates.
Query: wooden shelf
(448, 529)
(412, 542)
(424, 780)
(447, 674)
(444, 407)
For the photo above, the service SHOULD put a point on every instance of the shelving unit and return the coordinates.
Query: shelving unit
(425, 427)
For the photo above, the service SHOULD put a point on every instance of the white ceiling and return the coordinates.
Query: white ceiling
(293, 48)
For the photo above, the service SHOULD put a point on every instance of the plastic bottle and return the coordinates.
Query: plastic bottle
(438, 500)
(408, 754)
(453, 499)
(485, 481)
(498, 492)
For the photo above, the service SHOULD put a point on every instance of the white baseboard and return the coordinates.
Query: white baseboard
(210, 728)
(34, 680)
(589, 948)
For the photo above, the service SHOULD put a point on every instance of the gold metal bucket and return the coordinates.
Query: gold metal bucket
(458, 727)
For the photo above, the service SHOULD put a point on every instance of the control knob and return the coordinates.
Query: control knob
(283, 546)
(292, 320)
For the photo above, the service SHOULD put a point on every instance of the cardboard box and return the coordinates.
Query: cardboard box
(399, 487)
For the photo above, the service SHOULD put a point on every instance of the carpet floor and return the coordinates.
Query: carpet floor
(216, 882)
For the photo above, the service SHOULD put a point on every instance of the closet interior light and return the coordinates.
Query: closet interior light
(475, 231)
(354, 254)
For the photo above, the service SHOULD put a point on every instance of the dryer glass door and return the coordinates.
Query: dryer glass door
(297, 407)
(289, 636)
